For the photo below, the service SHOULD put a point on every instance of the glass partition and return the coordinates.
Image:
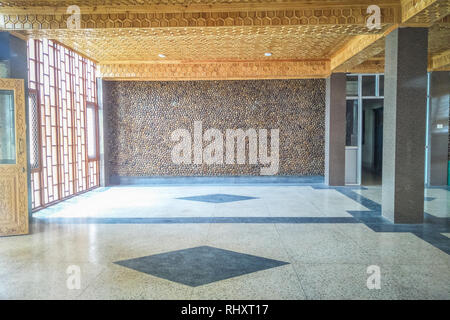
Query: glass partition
(369, 86)
(7, 128)
(352, 86)
(91, 113)
(381, 86)
(352, 123)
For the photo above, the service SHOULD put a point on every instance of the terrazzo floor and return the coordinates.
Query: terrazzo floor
(324, 249)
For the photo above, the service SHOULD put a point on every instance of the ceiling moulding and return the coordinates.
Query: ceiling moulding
(370, 66)
(424, 12)
(339, 15)
(176, 6)
(358, 50)
(229, 70)
(440, 62)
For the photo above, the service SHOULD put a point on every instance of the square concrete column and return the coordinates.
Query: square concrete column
(335, 126)
(404, 125)
(438, 128)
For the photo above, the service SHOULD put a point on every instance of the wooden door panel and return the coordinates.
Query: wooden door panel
(13, 174)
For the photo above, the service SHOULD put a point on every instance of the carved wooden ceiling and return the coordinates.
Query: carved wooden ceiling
(228, 39)
(371, 59)
(178, 44)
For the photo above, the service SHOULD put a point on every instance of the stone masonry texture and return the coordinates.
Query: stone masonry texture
(142, 115)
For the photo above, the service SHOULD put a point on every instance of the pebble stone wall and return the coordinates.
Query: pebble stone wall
(140, 117)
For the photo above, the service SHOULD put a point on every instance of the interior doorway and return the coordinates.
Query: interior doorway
(372, 142)
(364, 132)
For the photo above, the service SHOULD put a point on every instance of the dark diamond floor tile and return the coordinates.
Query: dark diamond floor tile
(200, 265)
(217, 198)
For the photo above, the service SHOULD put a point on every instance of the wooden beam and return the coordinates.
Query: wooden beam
(238, 70)
(58, 7)
(424, 12)
(364, 47)
(351, 48)
(440, 61)
(359, 49)
(369, 66)
(333, 14)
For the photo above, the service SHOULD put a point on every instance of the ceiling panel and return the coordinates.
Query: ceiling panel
(221, 43)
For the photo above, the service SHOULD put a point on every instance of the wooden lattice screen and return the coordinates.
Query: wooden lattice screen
(62, 87)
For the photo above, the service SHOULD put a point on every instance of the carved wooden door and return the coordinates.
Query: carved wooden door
(13, 159)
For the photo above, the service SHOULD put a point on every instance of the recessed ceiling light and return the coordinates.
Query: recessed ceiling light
(268, 54)
(161, 55)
